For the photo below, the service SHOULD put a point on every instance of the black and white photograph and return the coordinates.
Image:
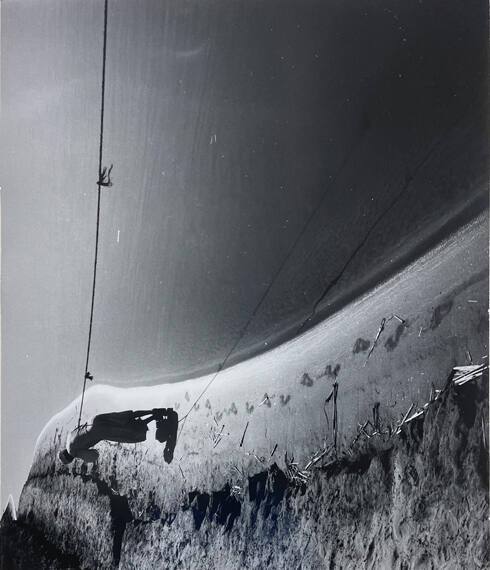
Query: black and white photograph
(244, 285)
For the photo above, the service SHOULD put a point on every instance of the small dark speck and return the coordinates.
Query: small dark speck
(361, 345)
(307, 380)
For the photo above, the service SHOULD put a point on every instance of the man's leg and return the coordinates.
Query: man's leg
(154, 414)
(167, 432)
(141, 413)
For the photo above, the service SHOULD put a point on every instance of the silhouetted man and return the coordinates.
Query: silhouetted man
(121, 427)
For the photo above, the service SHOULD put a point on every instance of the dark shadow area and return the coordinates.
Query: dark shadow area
(120, 512)
(199, 503)
(23, 547)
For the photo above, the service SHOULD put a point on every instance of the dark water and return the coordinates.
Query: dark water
(228, 123)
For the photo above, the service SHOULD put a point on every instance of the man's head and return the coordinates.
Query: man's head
(65, 457)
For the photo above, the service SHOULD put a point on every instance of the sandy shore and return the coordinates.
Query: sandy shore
(435, 315)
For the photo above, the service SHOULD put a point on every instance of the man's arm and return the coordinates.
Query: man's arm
(155, 412)
(142, 413)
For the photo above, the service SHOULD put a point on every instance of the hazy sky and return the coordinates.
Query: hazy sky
(227, 122)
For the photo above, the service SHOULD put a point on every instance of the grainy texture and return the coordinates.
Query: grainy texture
(226, 506)
(416, 501)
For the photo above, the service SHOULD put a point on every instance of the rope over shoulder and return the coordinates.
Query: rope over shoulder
(103, 180)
